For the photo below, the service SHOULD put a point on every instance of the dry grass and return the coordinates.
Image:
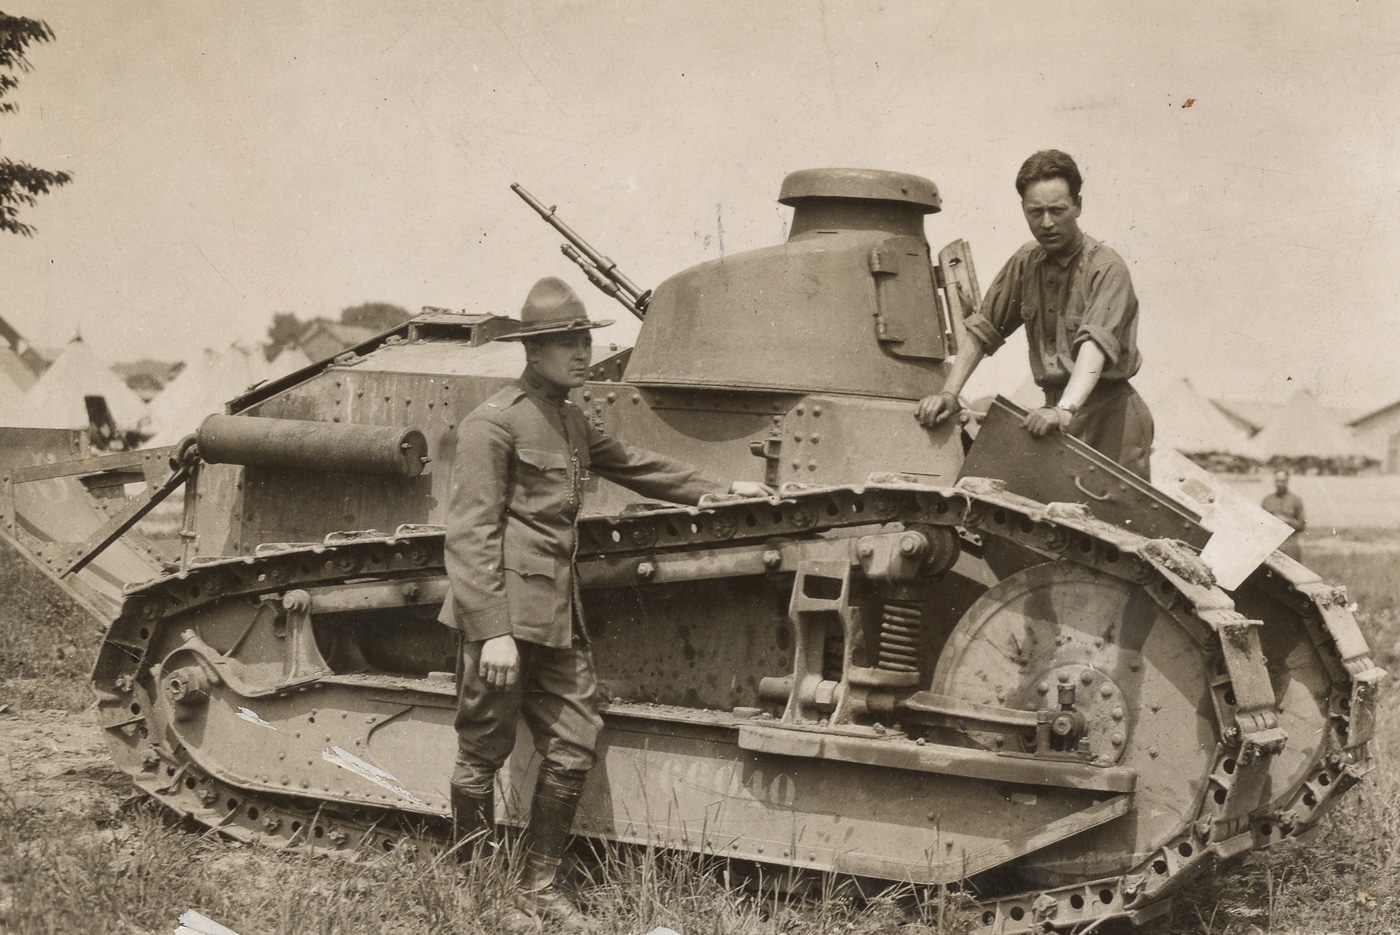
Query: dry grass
(1346, 877)
(47, 642)
(130, 869)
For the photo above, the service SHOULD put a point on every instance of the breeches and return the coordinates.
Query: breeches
(556, 694)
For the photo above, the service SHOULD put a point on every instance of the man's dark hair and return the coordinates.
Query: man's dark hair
(1049, 164)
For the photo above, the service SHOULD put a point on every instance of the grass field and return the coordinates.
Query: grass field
(100, 860)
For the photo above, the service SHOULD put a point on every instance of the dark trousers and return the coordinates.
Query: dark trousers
(556, 694)
(1113, 421)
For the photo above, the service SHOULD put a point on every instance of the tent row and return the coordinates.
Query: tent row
(1300, 433)
(79, 391)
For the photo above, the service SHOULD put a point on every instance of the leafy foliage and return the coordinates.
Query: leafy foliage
(20, 183)
(286, 328)
(377, 316)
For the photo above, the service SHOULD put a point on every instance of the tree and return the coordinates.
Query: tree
(20, 183)
(287, 329)
(376, 316)
(284, 332)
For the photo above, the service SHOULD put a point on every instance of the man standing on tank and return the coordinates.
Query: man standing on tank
(522, 459)
(1076, 300)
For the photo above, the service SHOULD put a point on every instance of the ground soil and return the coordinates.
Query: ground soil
(56, 761)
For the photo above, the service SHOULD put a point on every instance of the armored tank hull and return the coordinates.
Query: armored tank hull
(920, 662)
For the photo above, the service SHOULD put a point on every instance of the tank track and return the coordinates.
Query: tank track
(1232, 816)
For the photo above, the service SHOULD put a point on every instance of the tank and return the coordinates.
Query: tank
(1002, 663)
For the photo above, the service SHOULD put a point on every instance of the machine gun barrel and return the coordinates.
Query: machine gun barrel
(600, 270)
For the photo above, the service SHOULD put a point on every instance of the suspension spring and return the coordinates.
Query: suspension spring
(901, 630)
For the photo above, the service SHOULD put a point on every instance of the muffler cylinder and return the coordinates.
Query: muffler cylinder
(292, 444)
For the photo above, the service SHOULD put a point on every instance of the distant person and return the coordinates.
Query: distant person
(1076, 300)
(1287, 506)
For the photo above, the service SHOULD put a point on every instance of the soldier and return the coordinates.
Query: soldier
(522, 458)
(1288, 507)
(1076, 300)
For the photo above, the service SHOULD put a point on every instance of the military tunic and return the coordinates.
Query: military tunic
(522, 459)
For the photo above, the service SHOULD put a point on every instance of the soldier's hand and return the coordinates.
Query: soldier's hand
(934, 409)
(749, 488)
(500, 662)
(1045, 419)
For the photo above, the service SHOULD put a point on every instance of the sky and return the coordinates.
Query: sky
(235, 160)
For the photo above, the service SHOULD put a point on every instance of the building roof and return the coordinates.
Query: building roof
(345, 335)
(1366, 420)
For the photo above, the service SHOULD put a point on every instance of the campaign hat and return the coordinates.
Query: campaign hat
(552, 308)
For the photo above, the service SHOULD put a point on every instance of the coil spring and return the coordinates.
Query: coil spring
(901, 630)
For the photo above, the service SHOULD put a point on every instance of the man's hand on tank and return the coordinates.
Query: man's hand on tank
(934, 409)
(1045, 419)
(500, 662)
(749, 488)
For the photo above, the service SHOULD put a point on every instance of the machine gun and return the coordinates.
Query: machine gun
(600, 270)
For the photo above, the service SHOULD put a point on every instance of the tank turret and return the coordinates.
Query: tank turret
(848, 304)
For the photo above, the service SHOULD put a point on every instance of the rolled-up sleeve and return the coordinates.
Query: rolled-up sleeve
(1109, 312)
(476, 530)
(1000, 314)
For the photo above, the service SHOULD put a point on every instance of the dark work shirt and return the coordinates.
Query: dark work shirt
(1063, 302)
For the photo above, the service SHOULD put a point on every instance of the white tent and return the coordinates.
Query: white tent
(290, 360)
(13, 402)
(208, 382)
(60, 398)
(1189, 423)
(1304, 429)
(15, 370)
